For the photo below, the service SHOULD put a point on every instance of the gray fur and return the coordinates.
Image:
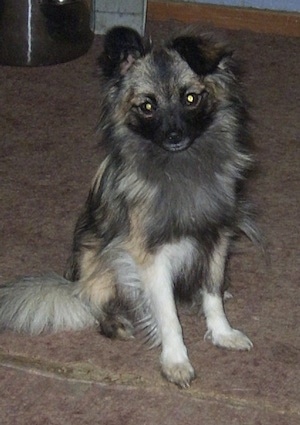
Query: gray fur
(42, 304)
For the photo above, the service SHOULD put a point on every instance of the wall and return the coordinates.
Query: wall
(284, 5)
(109, 13)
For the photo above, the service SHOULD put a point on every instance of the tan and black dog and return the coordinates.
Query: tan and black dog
(164, 205)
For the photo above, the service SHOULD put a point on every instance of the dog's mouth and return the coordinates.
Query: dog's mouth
(173, 143)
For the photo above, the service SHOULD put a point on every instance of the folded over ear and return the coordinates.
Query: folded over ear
(203, 55)
(122, 46)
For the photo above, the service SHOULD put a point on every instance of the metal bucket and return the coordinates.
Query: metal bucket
(44, 32)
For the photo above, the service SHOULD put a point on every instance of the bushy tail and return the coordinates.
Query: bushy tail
(43, 304)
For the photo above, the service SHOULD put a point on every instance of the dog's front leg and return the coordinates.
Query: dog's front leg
(219, 330)
(175, 363)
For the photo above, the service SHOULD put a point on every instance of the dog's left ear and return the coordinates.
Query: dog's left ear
(203, 55)
(122, 47)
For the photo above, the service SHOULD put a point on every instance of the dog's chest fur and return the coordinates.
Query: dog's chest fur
(177, 202)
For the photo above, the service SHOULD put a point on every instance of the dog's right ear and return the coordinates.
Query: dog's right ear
(122, 47)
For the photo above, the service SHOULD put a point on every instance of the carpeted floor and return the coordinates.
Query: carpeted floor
(48, 156)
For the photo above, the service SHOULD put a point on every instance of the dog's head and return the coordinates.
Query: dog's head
(166, 96)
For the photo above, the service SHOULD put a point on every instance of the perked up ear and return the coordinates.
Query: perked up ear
(203, 55)
(122, 47)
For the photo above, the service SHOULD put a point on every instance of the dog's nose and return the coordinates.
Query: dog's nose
(174, 137)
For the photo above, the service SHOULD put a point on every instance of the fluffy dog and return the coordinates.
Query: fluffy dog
(163, 208)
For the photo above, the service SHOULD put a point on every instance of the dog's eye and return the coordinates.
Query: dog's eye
(147, 108)
(192, 99)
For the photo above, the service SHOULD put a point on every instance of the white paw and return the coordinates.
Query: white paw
(180, 374)
(231, 338)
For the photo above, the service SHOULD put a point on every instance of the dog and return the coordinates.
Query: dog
(164, 207)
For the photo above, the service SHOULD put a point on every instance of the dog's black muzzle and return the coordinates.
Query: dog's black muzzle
(176, 142)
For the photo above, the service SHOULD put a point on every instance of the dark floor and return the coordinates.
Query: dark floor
(48, 156)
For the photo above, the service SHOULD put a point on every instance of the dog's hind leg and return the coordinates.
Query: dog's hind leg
(219, 330)
(99, 288)
(158, 277)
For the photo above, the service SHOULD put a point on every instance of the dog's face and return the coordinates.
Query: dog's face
(168, 104)
(168, 96)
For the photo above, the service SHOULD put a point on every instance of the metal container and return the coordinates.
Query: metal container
(44, 32)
